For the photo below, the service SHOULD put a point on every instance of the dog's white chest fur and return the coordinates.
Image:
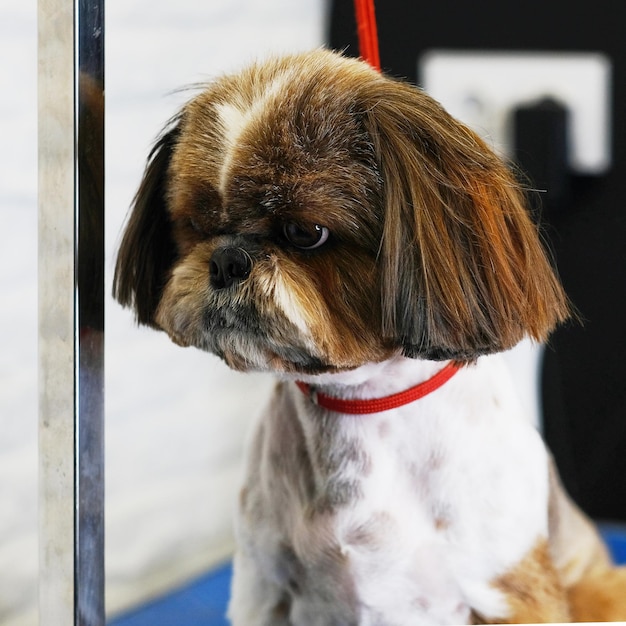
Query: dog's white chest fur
(407, 516)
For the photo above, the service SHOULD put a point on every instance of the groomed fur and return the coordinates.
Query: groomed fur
(458, 269)
(464, 269)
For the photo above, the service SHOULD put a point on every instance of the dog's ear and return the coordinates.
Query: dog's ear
(463, 270)
(147, 250)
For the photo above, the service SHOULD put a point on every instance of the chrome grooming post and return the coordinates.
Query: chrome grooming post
(71, 311)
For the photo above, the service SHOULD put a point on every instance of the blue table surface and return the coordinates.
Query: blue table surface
(203, 601)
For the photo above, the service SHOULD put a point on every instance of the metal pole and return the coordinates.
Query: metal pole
(71, 312)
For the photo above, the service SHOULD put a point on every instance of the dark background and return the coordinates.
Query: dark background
(584, 369)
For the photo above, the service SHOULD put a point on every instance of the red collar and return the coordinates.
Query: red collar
(378, 405)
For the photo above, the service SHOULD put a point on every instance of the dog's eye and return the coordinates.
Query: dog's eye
(305, 237)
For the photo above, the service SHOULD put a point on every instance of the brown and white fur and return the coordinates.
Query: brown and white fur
(311, 217)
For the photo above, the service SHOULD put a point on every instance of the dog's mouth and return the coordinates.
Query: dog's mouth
(255, 324)
(244, 353)
(270, 361)
(246, 341)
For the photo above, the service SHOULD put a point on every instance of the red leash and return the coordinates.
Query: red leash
(378, 405)
(366, 29)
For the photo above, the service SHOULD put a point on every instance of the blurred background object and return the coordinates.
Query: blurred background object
(582, 211)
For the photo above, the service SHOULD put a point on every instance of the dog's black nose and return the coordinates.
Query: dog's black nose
(229, 266)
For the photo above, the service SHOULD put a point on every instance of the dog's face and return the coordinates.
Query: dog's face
(311, 215)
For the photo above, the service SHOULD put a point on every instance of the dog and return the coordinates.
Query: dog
(314, 218)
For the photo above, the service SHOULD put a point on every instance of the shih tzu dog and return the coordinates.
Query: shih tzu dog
(311, 217)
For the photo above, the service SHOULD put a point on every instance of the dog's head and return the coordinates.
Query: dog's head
(310, 215)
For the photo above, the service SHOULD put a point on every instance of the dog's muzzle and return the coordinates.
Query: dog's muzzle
(228, 266)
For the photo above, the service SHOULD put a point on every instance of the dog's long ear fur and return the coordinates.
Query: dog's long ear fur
(463, 269)
(147, 250)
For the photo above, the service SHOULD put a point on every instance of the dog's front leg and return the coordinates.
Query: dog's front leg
(259, 596)
(255, 600)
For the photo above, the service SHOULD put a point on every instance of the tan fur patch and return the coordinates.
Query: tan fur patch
(347, 341)
(600, 597)
(533, 590)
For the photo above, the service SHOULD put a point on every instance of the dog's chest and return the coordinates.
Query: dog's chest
(401, 516)
(387, 511)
